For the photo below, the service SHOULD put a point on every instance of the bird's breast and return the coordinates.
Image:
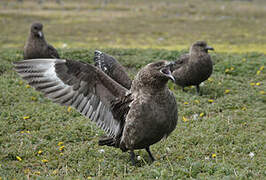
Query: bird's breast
(150, 118)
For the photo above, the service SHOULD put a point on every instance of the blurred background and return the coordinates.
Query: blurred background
(228, 25)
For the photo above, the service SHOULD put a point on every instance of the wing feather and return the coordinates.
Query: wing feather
(112, 68)
(76, 84)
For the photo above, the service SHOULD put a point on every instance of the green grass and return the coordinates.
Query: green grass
(232, 126)
(136, 33)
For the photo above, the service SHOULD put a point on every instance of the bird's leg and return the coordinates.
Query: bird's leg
(198, 89)
(132, 157)
(149, 152)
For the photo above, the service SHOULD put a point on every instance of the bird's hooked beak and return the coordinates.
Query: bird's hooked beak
(167, 71)
(209, 48)
(40, 34)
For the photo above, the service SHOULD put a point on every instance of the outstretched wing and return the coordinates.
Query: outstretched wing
(76, 84)
(112, 68)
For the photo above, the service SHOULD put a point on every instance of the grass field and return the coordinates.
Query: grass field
(220, 135)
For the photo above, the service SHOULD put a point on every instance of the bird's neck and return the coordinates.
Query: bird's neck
(35, 38)
(152, 87)
(195, 55)
(150, 83)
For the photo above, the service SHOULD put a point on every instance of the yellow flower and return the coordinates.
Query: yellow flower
(197, 101)
(244, 59)
(28, 132)
(33, 98)
(262, 92)
(258, 72)
(21, 132)
(61, 148)
(261, 68)
(55, 171)
(258, 84)
(40, 152)
(27, 171)
(26, 117)
(20, 82)
(61, 154)
(226, 70)
(186, 103)
(252, 84)
(210, 79)
(244, 108)
(18, 158)
(45, 161)
(171, 86)
(185, 119)
(60, 143)
(27, 86)
(69, 109)
(157, 163)
(226, 91)
(213, 155)
(37, 172)
(210, 100)
(89, 177)
(232, 68)
(201, 114)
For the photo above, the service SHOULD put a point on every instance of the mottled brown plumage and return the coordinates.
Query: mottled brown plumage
(36, 45)
(195, 67)
(112, 68)
(132, 119)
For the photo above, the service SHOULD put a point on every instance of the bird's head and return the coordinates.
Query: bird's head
(200, 46)
(156, 74)
(161, 70)
(36, 30)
